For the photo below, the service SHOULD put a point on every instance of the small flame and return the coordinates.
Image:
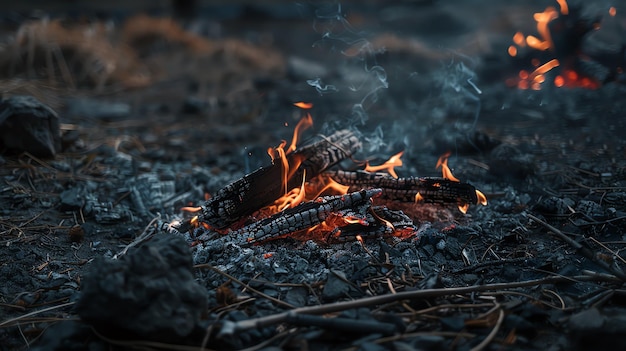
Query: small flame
(612, 11)
(386, 222)
(389, 165)
(360, 239)
(419, 197)
(463, 208)
(355, 220)
(445, 170)
(564, 8)
(482, 199)
(322, 183)
(305, 123)
(191, 209)
(304, 105)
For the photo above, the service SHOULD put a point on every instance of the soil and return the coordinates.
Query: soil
(184, 104)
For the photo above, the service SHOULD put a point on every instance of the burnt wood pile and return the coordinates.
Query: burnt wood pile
(240, 199)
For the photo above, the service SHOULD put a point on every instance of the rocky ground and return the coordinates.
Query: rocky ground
(155, 113)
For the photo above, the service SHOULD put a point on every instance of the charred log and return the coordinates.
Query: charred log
(263, 186)
(304, 216)
(430, 189)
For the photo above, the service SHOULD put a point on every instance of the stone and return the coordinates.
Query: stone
(27, 125)
(149, 293)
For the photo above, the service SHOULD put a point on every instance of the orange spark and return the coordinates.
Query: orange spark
(559, 81)
(464, 208)
(518, 39)
(612, 11)
(303, 105)
(445, 170)
(389, 165)
(512, 51)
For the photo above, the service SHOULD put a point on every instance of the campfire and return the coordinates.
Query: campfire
(303, 196)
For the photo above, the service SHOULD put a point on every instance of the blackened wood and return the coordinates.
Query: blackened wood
(381, 223)
(304, 216)
(431, 189)
(263, 186)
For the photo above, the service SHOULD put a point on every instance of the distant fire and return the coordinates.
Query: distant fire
(560, 37)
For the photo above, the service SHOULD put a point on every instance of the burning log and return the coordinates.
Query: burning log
(305, 216)
(411, 189)
(260, 188)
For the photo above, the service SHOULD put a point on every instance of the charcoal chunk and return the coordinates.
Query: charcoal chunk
(28, 125)
(71, 199)
(148, 293)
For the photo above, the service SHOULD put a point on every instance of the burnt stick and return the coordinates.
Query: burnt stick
(432, 189)
(303, 216)
(263, 186)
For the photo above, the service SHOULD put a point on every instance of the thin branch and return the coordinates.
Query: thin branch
(492, 334)
(9, 322)
(580, 248)
(283, 317)
(214, 269)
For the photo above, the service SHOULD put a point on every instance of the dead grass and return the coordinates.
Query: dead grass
(100, 55)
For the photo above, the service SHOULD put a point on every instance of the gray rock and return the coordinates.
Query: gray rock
(28, 125)
(150, 292)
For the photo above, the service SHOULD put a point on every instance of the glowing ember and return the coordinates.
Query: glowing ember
(612, 11)
(445, 170)
(389, 165)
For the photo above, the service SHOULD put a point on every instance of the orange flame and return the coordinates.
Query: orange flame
(191, 209)
(322, 183)
(389, 165)
(305, 123)
(464, 208)
(355, 220)
(564, 8)
(482, 199)
(419, 197)
(612, 11)
(445, 170)
(303, 105)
